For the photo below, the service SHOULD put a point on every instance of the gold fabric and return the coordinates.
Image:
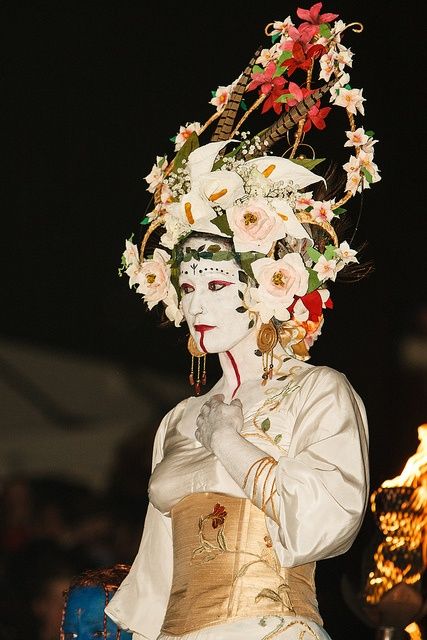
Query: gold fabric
(225, 567)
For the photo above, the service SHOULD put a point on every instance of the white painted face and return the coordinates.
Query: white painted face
(210, 299)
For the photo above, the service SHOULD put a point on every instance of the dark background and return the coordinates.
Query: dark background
(94, 92)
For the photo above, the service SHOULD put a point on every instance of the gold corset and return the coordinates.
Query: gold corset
(225, 567)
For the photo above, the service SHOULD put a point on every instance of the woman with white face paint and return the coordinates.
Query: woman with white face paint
(266, 473)
(251, 483)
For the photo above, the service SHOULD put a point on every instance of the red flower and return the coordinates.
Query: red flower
(302, 52)
(315, 115)
(218, 515)
(314, 305)
(271, 86)
(313, 15)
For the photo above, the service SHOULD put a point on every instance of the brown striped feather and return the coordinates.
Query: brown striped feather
(228, 116)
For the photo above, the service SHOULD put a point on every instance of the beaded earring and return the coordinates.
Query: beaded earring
(197, 377)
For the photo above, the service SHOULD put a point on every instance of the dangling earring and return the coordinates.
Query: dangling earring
(266, 340)
(196, 378)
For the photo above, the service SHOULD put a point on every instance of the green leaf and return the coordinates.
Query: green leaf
(313, 281)
(222, 255)
(257, 69)
(308, 163)
(284, 97)
(367, 175)
(240, 294)
(190, 145)
(145, 220)
(213, 248)
(282, 378)
(243, 105)
(222, 223)
(243, 277)
(246, 259)
(370, 133)
(329, 252)
(325, 30)
(265, 424)
(251, 324)
(213, 94)
(339, 210)
(286, 55)
(241, 309)
(275, 37)
(206, 255)
(313, 253)
(347, 86)
(279, 71)
(278, 438)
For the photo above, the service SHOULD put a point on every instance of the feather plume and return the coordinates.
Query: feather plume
(228, 116)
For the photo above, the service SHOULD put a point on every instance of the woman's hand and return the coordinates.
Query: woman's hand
(216, 418)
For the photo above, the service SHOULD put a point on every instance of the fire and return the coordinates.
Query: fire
(400, 508)
(416, 467)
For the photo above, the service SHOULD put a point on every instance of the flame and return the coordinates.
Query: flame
(414, 631)
(416, 466)
(399, 557)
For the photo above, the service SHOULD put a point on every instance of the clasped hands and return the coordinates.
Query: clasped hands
(216, 419)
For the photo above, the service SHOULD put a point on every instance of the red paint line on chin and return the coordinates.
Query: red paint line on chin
(236, 371)
(202, 328)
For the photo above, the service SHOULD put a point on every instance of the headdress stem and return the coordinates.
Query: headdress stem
(247, 113)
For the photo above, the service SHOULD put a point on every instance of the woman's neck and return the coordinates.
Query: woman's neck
(240, 364)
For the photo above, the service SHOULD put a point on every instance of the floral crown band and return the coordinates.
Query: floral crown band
(282, 237)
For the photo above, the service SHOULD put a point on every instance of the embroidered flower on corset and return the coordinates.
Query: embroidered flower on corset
(218, 516)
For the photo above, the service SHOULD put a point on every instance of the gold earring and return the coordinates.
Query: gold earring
(266, 340)
(196, 379)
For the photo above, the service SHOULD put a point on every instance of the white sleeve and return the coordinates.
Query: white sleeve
(322, 484)
(139, 604)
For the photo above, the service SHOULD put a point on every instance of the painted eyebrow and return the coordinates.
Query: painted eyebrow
(224, 282)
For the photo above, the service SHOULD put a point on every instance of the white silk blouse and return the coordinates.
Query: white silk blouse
(317, 431)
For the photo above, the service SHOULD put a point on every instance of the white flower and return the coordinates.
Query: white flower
(131, 260)
(344, 56)
(322, 210)
(269, 55)
(202, 159)
(221, 188)
(327, 66)
(351, 99)
(304, 200)
(345, 254)
(356, 138)
(275, 168)
(354, 182)
(282, 26)
(366, 161)
(343, 79)
(153, 278)
(221, 97)
(337, 29)
(326, 269)
(156, 175)
(172, 310)
(176, 228)
(278, 282)
(185, 132)
(256, 225)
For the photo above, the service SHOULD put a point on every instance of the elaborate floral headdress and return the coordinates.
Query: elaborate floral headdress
(282, 237)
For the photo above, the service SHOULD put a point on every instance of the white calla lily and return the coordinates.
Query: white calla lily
(275, 168)
(202, 159)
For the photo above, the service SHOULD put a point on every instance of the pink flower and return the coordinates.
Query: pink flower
(255, 225)
(154, 278)
(302, 52)
(271, 86)
(279, 281)
(313, 15)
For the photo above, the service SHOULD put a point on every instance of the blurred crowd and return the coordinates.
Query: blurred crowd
(53, 528)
